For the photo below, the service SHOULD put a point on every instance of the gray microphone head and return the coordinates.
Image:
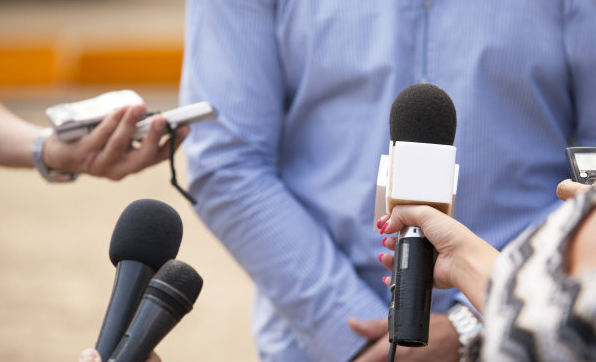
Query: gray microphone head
(177, 285)
(423, 113)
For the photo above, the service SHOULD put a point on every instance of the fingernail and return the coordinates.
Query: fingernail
(381, 257)
(138, 111)
(160, 124)
(379, 224)
(384, 227)
(89, 355)
(384, 280)
(355, 322)
(383, 242)
(184, 130)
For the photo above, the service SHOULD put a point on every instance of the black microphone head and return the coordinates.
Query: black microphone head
(148, 231)
(176, 285)
(182, 277)
(423, 113)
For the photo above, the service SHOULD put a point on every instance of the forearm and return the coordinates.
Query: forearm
(16, 139)
(467, 258)
(473, 267)
(290, 257)
(232, 60)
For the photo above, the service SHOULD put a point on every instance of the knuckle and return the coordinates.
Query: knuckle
(120, 146)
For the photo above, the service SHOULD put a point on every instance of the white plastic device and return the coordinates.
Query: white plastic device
(72, 121)
(416, 173)
(179, 116)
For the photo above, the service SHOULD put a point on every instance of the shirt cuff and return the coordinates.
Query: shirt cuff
(334, 340)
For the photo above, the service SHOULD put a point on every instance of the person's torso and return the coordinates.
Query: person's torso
(504, 66)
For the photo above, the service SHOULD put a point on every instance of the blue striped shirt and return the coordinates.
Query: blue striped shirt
(285, 177)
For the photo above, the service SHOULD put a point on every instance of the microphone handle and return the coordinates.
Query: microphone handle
(412, 282)
(152, 321)
(129, 284)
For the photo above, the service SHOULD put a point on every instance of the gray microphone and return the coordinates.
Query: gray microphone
(169, 296)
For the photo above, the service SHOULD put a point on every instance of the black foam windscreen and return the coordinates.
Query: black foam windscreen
(423, 113)
(148, 231)
(181, 277)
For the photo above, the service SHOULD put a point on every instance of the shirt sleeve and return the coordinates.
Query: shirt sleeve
(579, 28)
(231, 61)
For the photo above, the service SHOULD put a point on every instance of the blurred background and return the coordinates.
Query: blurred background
(55, 274)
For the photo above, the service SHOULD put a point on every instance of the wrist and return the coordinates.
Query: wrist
(472, 271)
(38, 158)
(49, 153)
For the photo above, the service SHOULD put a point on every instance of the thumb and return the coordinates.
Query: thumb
(567, 189)
(373, 329)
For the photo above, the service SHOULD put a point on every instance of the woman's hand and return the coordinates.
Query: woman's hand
(107, 150)
(464, 260)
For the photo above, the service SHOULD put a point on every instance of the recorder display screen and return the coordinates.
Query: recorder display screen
(586, 161)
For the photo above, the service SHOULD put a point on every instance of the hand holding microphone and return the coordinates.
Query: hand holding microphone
(455, 244)
(420, 171)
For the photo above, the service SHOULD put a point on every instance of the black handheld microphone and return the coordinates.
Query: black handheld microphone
(168, 297)
(422, 168)
(147, 234)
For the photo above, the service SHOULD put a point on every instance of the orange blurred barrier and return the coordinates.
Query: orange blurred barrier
(33, 63)
(135, 66)
(27, 65)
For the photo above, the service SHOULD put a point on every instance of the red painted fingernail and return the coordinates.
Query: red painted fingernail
(383, 241)
(384, 227)
(384, 280)
(381, 257)
(379, 224)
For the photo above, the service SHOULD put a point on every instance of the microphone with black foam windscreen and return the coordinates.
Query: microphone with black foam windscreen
(421, 171)
(147, 234)
(168, 297)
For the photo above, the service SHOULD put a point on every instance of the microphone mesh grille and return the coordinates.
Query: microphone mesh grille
(423, 113)
(181, 277)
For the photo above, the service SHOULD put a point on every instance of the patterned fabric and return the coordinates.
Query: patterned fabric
(535, 311)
